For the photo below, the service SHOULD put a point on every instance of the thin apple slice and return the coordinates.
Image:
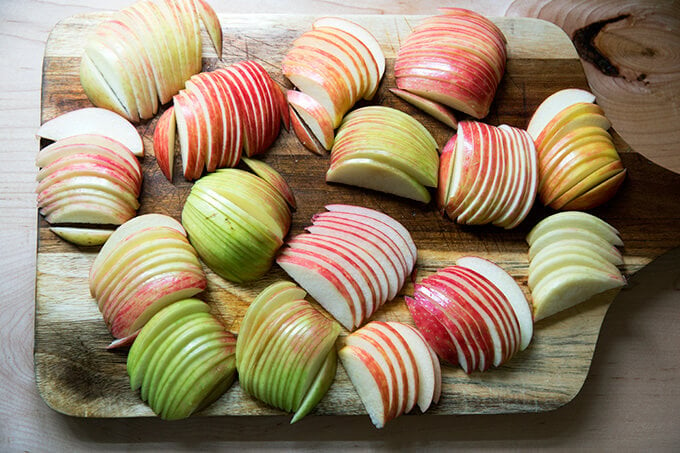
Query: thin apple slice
(547, 267)
(86, 237)
(273, 177)
(370, 382)
(569, 287)
(435, 110)
(598, 194)
(211, 23)
(553, 105)
(305, 135)
(568, 233)
(164, 142)
(207, 109)
(594, 179)
(314, 115)
(93, 120)
(96, 87)
(378, 176)
(509, 287)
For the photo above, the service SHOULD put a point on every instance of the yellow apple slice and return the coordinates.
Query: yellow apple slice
(553, 105)
(562, 233)
(598, 194)
(87, 237)
(554, 263)
(575, 219)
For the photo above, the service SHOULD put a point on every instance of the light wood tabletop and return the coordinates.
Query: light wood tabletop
(631, 398)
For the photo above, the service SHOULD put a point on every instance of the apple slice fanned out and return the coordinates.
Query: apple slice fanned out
(383, 149)
(285, 352)
(164, 142)
(456, 59)
(432, 108)
(305, 135)
(473, 314)
(352, 260)
(391, 367)
(82, 236)
(579, 167)
(144, 266)
(182, 360)
(273, 177)
(144, 54)
(314, 116)
(572, 257)
(488, 174)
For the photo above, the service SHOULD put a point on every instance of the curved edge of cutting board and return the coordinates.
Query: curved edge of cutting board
(77, 376)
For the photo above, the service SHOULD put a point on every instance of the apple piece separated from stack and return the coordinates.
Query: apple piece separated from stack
(578, 165)
(573, 256)
(144, 54)
(384, 149)
(351, 260)
(333, 65)
(285, 352)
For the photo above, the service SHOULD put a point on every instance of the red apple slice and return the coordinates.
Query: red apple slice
(208, 110)
(435, 110)
(305, 135)
(314, 115)
(164, 142)
(434, 332)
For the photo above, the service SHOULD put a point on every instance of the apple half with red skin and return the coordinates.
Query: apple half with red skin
(488, 174)
(572, 257)
(285, 352)
(473, 314)
(579, 167)
(144, 54)
(456, 59)
(89, 179)
(145, 265)
(392, 368)
(352, 260)
(384, 149)
(182, 360)
(333, 65)
(237, 222)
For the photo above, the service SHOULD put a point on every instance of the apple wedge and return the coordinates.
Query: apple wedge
(314, 116)
(164, 142)
(436, 111)
(305, 135)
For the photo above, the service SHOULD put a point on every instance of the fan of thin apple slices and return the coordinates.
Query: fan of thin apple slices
(473, 314)
(145, 53)
(333, 65)
(392, 368)
(351, 260)
(572, 256)
(218, 116)
(578, 165)
(384, 149)
(145, 265)
(285, 352)
(488, 174)
(182, 360)
(456, 59)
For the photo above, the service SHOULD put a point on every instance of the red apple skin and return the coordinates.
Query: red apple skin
(162, 140)
(435, 334)
(305, 135)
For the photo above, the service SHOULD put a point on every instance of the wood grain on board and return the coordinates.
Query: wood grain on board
(77, 376)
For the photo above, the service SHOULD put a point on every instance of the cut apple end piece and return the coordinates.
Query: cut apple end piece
(553, 105)
(86, 237)
(122, 342)
(305, 136)
(435, 110)
(319, 387)
(598, 194)
(314, 116)
(93, 120)
(378, 176)
(212, 25)
(273, 177)
(164, 142)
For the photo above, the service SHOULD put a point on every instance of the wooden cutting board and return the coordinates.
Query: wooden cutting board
(76, 375)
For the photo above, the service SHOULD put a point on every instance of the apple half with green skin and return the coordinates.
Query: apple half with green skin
(473, 314)
(579, 166)
(352, 260)
(285, 352)
(237, 222)
(392, 368)
(182, 360)
(455, 59)
(143, 55)
(572, 257)
(145, 265)
(383, 149)
(88, 179)
(488, 174)
(95, 121)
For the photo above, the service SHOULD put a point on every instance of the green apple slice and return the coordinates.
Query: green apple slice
(86, 237)
(319, 387)
(575, 219)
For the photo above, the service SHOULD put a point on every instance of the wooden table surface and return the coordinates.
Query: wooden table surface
(631, 399)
